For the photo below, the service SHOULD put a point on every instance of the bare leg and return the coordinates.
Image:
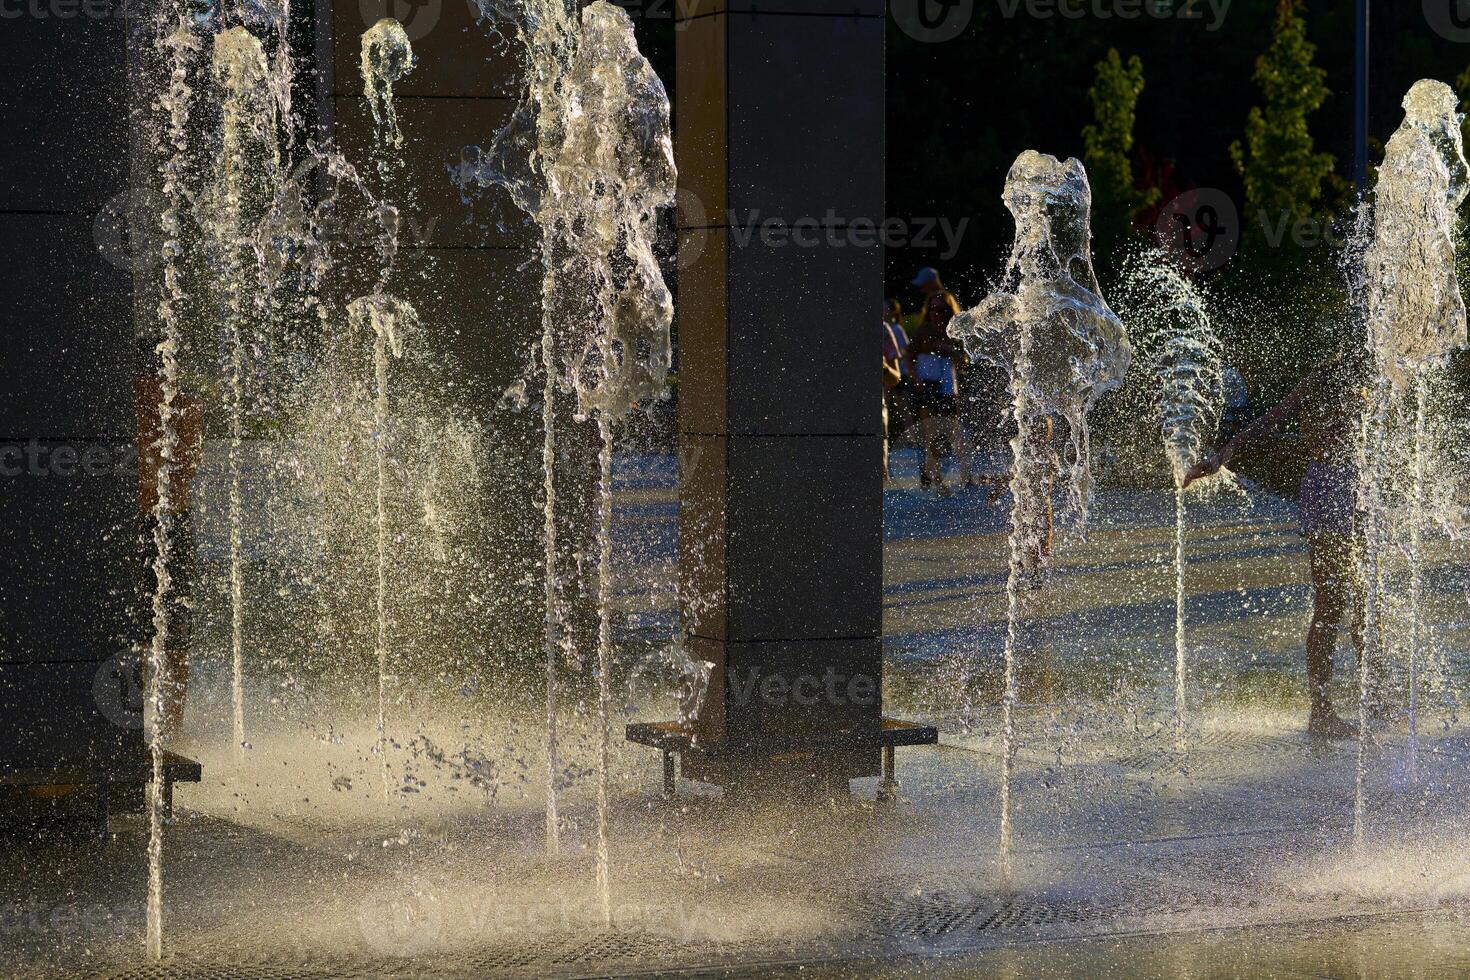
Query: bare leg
(951, 427)
(963, 448)
(885, 438)
(1331, 572)
(928, 433)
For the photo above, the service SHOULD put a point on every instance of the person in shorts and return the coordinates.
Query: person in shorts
(934, 361)
(1327, 508)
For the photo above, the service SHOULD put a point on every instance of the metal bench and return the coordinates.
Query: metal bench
(671, 739)
(106, 774)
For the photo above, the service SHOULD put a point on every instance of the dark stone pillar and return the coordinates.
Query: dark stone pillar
(779, 140)
(68, 472)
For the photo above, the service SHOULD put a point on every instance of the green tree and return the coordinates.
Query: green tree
(1462, 89)
(1283, 173)
(1108, 143)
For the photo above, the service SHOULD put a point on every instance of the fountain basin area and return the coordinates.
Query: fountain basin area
(1129, 858)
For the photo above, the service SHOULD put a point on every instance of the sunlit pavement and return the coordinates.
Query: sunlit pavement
(1132, 857)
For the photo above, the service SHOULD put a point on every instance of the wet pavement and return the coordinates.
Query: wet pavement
(1233, 858)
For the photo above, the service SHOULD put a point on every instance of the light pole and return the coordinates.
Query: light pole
(1360, 96)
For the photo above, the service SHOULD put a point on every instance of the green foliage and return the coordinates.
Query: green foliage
(1462, 89)
(1108, 142)
(1282, 172)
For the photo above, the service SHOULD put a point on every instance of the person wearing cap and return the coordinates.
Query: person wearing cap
(934, 360)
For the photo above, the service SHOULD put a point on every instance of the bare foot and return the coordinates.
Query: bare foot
(1327, 725)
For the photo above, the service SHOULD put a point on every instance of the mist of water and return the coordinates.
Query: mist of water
(247, 161)
(588, 155)
(180, 47)
(1062, 348)
(1169, 318)
(1414, 317)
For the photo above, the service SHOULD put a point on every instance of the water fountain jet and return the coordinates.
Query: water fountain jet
(1048, 326)
(1415, 317)
(248, 156)
(1169, 318)
(602, 166)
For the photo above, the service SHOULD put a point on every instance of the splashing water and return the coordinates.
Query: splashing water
(625, 113)
(1062, 348)
(388, 319)
(248, 155)
(180, 47)
(600, 166)
(1169, 318)
(544, 31)
(387, 56)
(1414, 317)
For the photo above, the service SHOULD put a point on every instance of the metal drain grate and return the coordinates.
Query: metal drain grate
(1036, 916)
(934, 915)
(220, 971)
(926, 918)
(1214, 752)
(615, 948)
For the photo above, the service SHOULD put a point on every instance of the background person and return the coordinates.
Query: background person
(895, 377)
(1327, 504)
(934, 360)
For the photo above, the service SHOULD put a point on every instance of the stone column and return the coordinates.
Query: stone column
(68, 470)
(779, 141)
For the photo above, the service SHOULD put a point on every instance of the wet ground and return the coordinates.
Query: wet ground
(1236, 858)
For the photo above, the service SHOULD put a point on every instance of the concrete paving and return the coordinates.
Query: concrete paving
(1235, 857)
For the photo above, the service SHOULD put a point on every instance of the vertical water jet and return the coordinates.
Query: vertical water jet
(1169, 318)
(387, 57)
(387, 320)
(544, 29)
(179, 46)
(589, 156)
(1048, 326)
(247, 140)
(1414, 318)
